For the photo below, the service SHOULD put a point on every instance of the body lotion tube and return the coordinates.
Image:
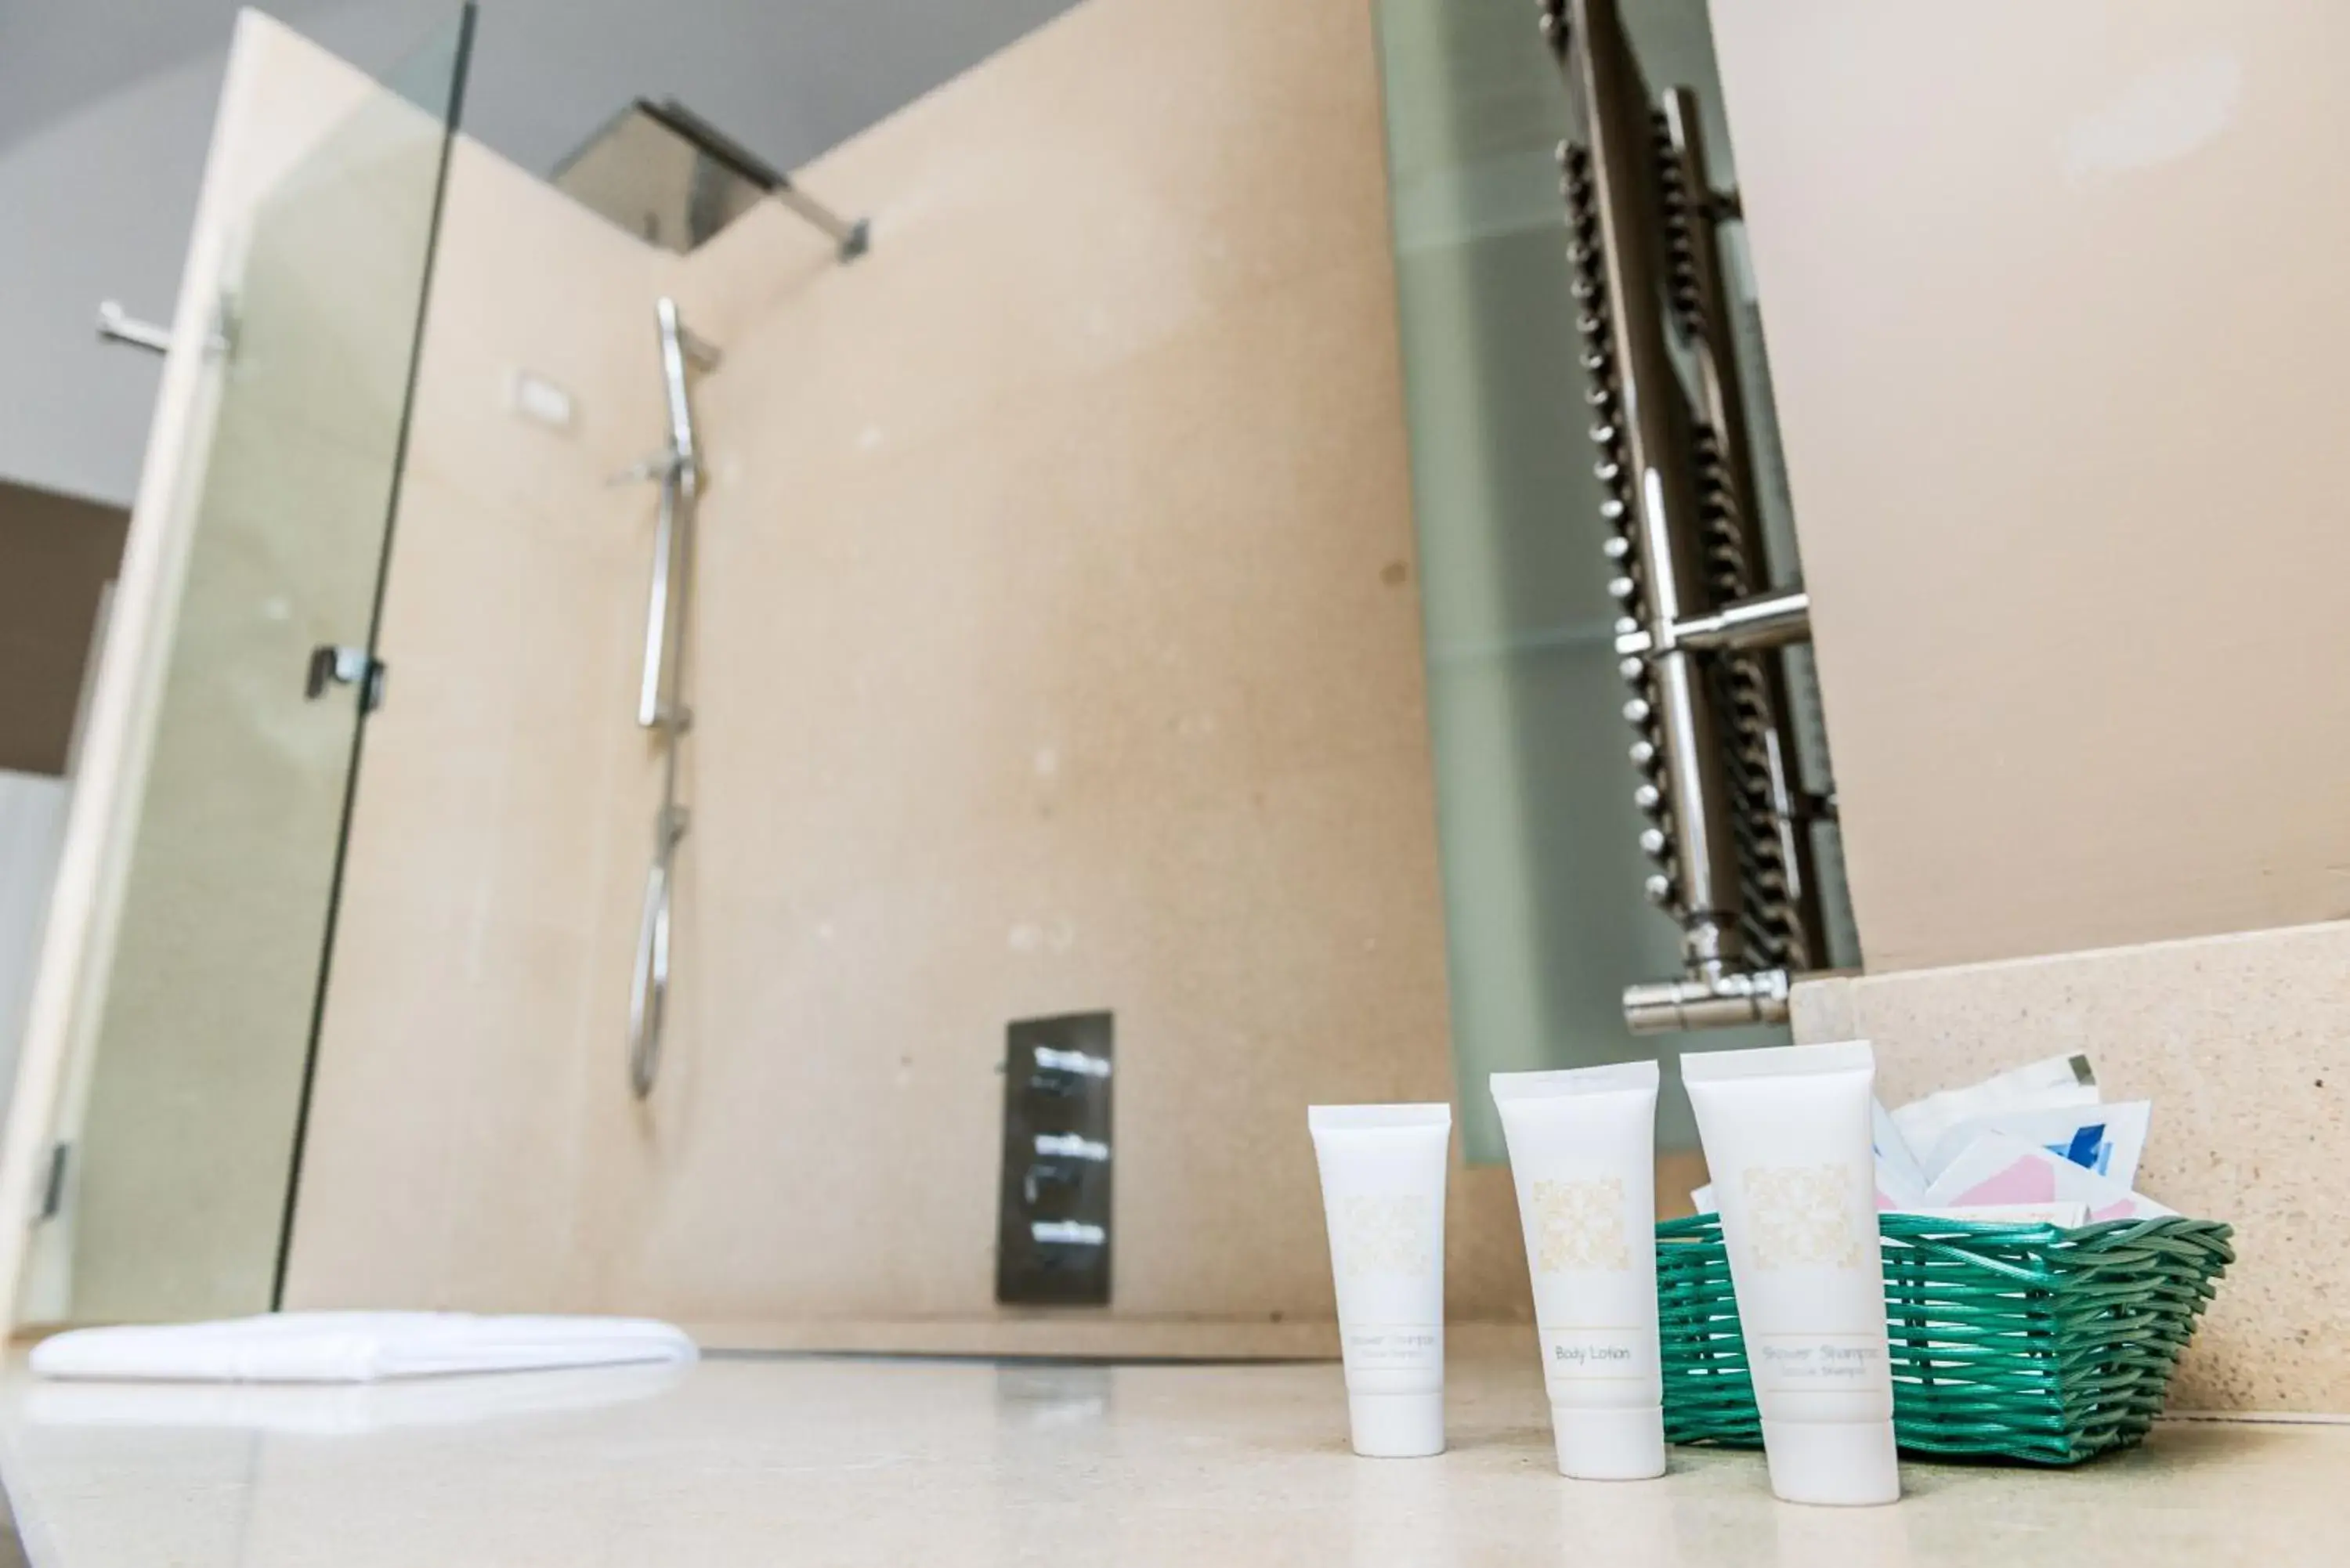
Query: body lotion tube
(1383, 1192)
(1786, 1136)
(1582, 1152)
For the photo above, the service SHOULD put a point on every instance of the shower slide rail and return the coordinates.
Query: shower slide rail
(660, 694)
(661, 707)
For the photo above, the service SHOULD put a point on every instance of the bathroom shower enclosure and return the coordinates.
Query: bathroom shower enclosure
(163, 1126)
(1054, 653)
(158, 1121)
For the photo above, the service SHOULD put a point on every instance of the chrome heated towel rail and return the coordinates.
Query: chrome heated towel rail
(1703, 625)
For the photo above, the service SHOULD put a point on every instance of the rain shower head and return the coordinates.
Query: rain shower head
(673, 179)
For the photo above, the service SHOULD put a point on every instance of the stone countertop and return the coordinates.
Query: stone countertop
(882, 1462)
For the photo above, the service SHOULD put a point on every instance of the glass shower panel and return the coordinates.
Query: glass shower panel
(1546, 917)
(183, 1122)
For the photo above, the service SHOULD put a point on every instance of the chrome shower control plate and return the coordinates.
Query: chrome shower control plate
(1053, 1209)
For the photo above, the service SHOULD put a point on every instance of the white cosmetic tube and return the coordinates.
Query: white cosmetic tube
(1383, 1192)
(1583, 1151)
(1786, 1135)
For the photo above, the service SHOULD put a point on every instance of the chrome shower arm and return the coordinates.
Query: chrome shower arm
(851, 237)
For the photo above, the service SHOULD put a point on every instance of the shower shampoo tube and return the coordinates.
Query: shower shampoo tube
(1786, 1135)
(1383, 1192)
(1583, 1154)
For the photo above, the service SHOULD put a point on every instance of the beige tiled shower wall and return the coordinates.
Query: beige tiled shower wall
(474, 1005)
(2057, 327)
(2239, 1042)
(1057, 647)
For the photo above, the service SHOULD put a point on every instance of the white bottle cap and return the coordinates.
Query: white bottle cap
(1609, 1445)
(1843, 1464)
(1396, 1426)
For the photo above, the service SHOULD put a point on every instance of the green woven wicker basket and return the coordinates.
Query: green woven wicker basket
(2023, 1341)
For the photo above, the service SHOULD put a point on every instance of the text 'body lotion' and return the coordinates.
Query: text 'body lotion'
(1582, 1153)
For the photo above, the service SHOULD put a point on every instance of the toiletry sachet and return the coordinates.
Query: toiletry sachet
(2000, 1168)
(2051, 1082)
(2105, 1138)
(1901, 1183)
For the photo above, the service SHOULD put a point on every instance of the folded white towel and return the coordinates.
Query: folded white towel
(337, 1409)
(354, 1347)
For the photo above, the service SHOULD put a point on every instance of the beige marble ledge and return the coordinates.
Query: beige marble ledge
(1078, 1335)
(874, 1462)
(1075, 1333)
(2242, 1042)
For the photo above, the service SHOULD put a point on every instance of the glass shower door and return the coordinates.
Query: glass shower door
(273, 478)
